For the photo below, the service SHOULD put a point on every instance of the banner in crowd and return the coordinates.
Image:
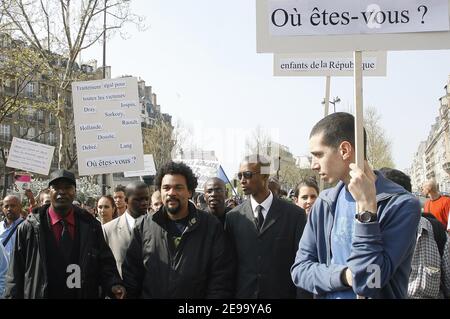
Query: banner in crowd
(108, 126)
(328, 64)
(293, 26)
(30, 156)
(205, 169)
(149, 168)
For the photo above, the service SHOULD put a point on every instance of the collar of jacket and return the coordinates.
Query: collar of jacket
(161, 217)
(385, 189)
(35, 217)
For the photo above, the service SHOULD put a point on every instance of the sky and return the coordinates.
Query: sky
(200, 58)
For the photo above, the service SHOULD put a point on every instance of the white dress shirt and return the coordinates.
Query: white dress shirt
(265, 205)
(130, 220)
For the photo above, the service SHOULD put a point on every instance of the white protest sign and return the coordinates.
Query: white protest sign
(319, 17)
(351, 25)
(108, 126)
(328, 64)
(149, 168)
(30, 156)
(203, 170)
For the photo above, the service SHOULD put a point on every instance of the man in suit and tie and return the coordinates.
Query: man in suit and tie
(265, 232)
(118, 231)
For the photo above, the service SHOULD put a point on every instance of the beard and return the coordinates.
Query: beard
(174, 210)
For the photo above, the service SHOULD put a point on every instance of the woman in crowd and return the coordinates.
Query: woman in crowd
(306, 194)
(106, 209)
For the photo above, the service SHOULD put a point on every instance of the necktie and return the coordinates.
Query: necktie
(260, 218)
(65, 242)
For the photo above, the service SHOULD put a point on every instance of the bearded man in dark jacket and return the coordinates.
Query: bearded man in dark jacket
(180, 251)
(60, 251)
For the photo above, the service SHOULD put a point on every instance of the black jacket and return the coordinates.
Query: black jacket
(265, 258)
(201, 267)
(27, 275)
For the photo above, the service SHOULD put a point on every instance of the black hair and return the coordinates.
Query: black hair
(397, 177)
(309, 182)
(133, 186)
(177, 168)
(337, 128)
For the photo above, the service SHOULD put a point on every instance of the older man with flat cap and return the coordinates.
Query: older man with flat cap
(60, 252)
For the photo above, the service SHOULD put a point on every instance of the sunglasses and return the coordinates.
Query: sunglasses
(246, 174)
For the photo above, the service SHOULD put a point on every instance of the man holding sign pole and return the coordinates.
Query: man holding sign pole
(360, 235)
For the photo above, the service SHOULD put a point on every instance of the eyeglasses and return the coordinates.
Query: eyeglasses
(246, 174)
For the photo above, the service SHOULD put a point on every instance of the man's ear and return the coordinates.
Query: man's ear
(346, 150)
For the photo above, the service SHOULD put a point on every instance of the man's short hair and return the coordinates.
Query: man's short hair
(133, 187)
(337, 128)
(119, 188)
(397, 177)
(177, 168)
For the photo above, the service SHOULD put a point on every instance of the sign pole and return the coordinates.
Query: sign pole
(327, 95)
(326, 111)
(359, 119)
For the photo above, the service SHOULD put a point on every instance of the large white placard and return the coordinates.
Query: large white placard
(328, 64)
(295, 26)
(149, 168)
(30, 156)
(319, 17)
(108, 126)
(203, 170)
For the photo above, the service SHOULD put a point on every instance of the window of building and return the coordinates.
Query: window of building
(51, 138)
(5, 130)
(31, 133)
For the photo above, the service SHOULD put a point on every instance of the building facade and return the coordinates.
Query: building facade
(432, 160)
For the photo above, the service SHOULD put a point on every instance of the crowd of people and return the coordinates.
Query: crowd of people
(366, 237)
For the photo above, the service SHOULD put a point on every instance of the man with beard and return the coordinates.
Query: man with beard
(215, 195)
(179, 251)
(118, 231)
(60, 252)
(265, 232)
(12, 208)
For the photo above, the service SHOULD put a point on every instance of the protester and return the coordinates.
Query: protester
(65, 240)
(360, 235)
(118, 232)
(430, 274)
(438, 205)
(119, 199)
(106, 209)
(179, 251)
(265, 232)
(215, 194)
(156, 201)
(12, 208)
(306, 194)
(3, 269)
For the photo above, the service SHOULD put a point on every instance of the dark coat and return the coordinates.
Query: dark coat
(202, 266)
(27, 275)
(265, 258)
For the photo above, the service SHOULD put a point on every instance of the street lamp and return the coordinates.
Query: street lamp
(335, 100)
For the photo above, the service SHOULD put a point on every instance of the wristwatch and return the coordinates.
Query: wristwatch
(366, 217)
